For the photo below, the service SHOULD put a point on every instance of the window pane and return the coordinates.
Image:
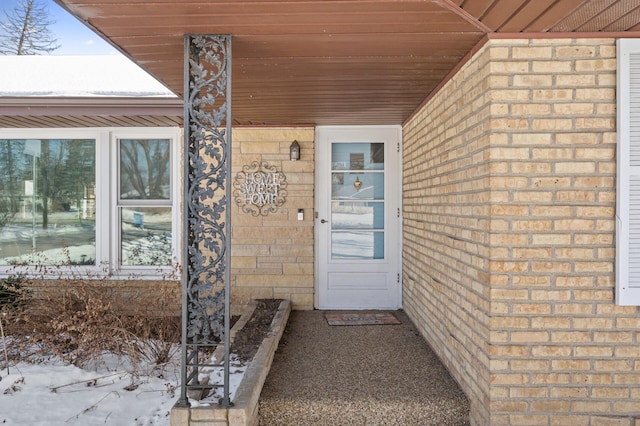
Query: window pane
(357, 156)
(145, 169)
(357, 215)
(357, 245)
(146, 236)
(360, 186)
(47, 201)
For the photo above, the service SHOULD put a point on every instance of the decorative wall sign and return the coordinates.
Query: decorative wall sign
(260, 189)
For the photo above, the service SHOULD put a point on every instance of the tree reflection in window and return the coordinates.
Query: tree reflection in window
(145, 169)
(145, 209)
(47, 201)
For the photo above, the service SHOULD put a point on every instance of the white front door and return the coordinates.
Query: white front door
(358, 224)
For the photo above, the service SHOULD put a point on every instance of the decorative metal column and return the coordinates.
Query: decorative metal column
(206, 213)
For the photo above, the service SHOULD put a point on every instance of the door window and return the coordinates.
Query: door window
(357, 201)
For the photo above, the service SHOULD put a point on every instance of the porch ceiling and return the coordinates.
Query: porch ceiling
(335, 61)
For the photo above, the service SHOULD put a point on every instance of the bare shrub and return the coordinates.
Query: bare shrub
(77, 322)
(80, 319)
(13, 299)
(12, 292)
(156, 329)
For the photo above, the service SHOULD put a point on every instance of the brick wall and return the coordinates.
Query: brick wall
(272, 255)
(446, 202)
(509, 235)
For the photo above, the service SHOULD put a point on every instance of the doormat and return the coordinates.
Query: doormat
(385, 318)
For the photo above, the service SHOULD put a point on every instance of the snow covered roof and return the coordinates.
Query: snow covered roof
(76, 76)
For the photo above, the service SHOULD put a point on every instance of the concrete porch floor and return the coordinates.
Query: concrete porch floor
(358, 375)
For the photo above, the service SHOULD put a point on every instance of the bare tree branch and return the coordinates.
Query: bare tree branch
(25, 30)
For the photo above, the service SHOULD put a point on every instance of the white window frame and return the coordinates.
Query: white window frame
(134, 134)
(628, 176)
(107, 193)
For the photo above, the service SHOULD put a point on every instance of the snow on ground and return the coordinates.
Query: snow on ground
(56, 394)
(51, 393)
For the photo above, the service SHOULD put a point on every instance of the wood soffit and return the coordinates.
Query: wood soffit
(336, 61)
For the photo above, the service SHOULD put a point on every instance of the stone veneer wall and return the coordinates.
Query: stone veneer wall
(272, 255)
(509, 177)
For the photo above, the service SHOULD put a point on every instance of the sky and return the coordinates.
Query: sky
(73, 36)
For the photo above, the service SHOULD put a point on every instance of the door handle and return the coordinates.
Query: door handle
(323, 221)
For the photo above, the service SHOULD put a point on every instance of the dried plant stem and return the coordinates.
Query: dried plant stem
(4, 346)
(93, 407)
(55, 389)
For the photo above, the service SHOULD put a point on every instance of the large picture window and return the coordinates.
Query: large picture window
(47, 201)
(88, 198)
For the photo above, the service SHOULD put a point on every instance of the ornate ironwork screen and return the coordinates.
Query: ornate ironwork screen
(206, 213)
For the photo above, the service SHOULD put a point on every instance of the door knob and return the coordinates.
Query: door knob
(323, 221)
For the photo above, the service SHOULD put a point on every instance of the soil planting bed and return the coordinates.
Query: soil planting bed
(247, 340)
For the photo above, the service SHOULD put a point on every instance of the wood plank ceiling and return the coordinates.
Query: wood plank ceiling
(335, 61)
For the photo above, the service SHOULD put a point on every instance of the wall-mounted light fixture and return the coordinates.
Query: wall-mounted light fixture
(294, 151)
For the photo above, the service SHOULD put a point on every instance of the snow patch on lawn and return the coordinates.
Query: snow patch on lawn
(52, 393)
